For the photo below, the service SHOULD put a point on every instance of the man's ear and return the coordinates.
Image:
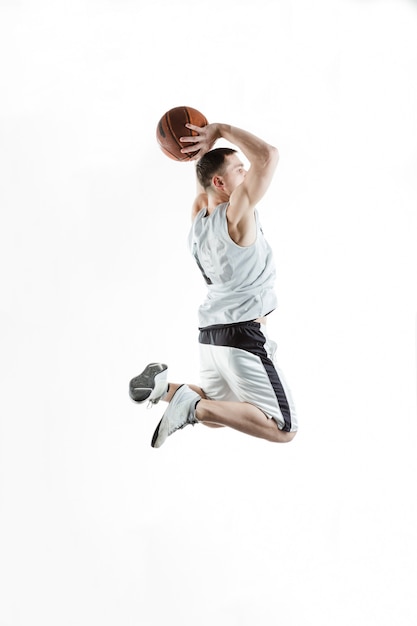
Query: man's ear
(218, 182)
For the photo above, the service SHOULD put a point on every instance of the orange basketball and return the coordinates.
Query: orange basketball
(171, 127)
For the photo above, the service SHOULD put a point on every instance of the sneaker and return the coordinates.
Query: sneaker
(151, 384)
(180, 412)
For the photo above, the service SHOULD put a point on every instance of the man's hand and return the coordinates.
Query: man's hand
(202, 142)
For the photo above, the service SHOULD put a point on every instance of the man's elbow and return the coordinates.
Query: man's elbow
(273, 154)
(270, 157)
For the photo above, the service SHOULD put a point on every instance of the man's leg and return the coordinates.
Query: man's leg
(190, 405)
(240, 416)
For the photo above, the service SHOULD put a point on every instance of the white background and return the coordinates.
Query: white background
(214, 528)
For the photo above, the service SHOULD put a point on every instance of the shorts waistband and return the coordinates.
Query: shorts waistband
(244, 335)
(249, 324)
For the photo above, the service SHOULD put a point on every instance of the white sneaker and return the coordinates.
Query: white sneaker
(180, 412)
(151, 384)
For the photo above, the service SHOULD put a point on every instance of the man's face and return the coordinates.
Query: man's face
(233, 174)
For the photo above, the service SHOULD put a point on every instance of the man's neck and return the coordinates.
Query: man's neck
(214, 201)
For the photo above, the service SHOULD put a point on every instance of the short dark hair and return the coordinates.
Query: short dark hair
(210, 164)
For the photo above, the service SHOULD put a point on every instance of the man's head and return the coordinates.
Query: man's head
(220, 170)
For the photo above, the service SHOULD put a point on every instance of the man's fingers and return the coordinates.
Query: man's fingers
(197, 128)
(192, 148)
(193, 139)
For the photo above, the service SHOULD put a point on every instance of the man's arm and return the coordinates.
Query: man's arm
(200, 201)
(263, 159)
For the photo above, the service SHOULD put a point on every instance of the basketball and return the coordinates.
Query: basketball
(171, 127)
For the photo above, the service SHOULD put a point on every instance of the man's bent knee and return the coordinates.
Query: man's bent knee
(285, 437)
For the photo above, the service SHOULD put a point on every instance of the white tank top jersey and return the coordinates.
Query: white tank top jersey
(240, 279)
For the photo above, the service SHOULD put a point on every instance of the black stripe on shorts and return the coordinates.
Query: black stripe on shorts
(248, 336)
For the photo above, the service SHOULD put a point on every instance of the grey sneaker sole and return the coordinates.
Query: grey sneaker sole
(150, 385)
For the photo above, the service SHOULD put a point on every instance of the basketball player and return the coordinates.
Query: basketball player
(241, 385)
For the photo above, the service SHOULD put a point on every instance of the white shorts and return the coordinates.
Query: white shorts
(237, 363)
